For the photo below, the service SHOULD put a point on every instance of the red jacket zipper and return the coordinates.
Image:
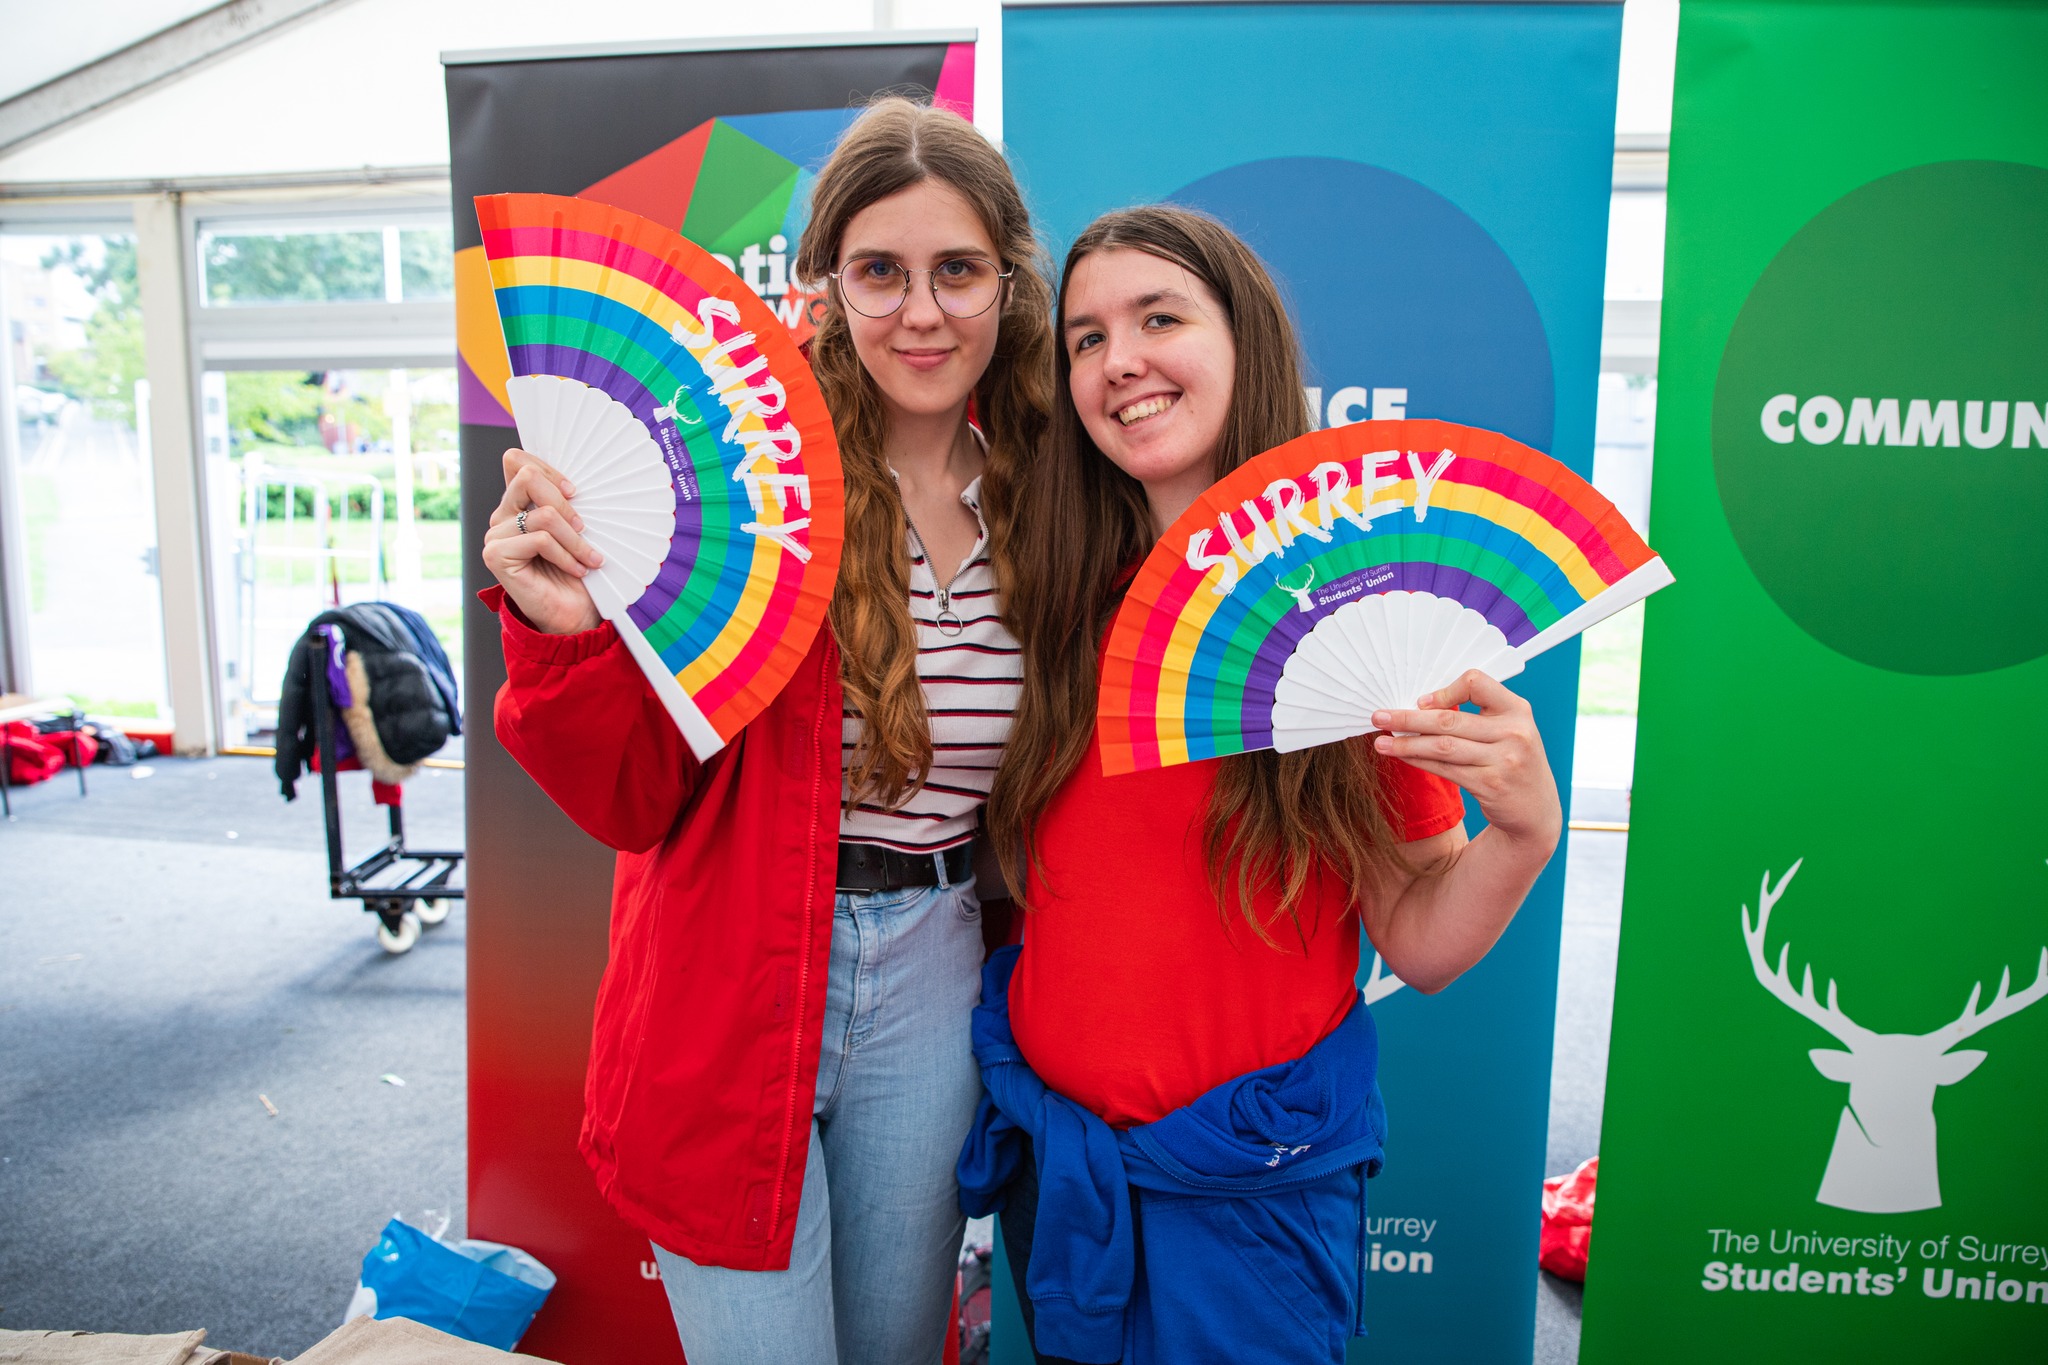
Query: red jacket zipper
(803, 978)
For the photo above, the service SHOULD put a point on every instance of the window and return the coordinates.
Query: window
(326, 341)
(244, 265)
(335, 486)
(82, 464)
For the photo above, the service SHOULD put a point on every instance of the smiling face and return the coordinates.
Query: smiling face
(1153, 360)
(924, 360)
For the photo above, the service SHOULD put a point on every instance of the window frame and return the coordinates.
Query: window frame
(410, 334)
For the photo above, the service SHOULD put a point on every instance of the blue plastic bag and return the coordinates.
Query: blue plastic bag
(480, 1291)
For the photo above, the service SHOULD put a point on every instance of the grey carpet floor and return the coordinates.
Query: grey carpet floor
(168, 953)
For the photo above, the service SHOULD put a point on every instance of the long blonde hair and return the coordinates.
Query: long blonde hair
(894, 145)
(1274, 820)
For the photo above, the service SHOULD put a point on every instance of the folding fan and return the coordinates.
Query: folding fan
(701, 452)
(1354, 570)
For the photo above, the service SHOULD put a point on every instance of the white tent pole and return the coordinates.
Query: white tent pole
(180, 510)
(14, 669)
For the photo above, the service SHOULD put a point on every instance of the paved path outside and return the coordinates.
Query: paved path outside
(95, 624)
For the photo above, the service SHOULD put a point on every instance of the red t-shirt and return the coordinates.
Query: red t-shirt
(1133, 995)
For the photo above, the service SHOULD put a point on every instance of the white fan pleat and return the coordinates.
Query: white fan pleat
(1358, 637)
(631, 543)
(624, 492)
(1374, 653)
(639, 509)
(1397, 642)
(1369, 637)
(1315, 683)
(1439, 629)
(620, 584)
(1349, 645)
(1459, 648)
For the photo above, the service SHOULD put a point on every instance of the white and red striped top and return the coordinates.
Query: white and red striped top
(970, 682)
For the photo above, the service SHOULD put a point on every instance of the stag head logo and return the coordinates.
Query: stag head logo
(1884, 1156)
(1302, 596)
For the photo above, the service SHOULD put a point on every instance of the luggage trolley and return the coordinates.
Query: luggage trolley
(404, 888)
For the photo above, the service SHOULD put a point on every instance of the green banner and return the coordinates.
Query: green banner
(1829, 1077)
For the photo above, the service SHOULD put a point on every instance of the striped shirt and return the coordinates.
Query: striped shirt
(970, 689)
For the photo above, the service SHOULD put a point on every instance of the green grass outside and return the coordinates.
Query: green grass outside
(39, 507)
(314, 462)
(1609, 665)
(440, 557)
(100, 706)
(447, 627)
(440, 550)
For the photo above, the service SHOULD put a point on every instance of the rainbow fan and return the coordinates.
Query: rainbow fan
(1352, 570)
(702, 455)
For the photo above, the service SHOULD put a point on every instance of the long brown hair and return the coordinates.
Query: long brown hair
(1277, 819)
(892, 146)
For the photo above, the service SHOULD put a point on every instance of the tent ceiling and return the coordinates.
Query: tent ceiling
(360, 84)
(176, 51)
(44, 40)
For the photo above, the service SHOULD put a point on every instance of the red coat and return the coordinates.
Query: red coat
(704, 1049)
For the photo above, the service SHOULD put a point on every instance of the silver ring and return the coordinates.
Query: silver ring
(521, 519)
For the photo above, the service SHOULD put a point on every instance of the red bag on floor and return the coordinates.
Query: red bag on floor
(1568, 1221)
(30, 758)
(75, 746)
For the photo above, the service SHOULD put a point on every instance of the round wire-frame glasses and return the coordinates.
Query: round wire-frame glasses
(963, 287)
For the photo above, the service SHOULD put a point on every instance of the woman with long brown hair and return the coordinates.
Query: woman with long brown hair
(1181, 1019)
(780, 1075)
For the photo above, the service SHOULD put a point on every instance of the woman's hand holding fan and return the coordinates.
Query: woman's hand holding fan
(543, 559)
(1496, 755)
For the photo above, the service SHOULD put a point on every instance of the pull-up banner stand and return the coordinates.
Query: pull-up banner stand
(1430, 183)
(1829, 1073)
(720, 140)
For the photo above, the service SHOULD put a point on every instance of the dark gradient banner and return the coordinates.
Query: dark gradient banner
(722, 145)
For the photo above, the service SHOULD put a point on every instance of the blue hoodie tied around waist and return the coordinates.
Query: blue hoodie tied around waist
(1251, 1201)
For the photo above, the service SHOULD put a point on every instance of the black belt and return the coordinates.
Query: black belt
(871, 867)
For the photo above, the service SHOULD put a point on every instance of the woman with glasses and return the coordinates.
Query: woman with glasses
(780, 1074)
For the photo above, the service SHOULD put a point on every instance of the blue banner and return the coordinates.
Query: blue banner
(1430, 184)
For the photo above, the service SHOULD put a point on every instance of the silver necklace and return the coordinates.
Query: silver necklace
(948, 621)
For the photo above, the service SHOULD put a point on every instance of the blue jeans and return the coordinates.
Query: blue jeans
(878, 1228)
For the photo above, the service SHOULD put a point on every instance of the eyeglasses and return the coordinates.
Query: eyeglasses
(875, 286)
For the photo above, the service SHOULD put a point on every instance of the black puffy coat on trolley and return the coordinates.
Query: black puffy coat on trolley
(401, 702)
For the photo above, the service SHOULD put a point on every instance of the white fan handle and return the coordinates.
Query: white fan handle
(702, 739)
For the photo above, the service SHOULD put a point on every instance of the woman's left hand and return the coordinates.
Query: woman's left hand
(1496, 755)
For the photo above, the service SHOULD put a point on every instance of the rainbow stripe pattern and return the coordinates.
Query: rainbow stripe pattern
(1510, 542)
(593, 293)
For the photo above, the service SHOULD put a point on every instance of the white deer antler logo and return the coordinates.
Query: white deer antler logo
(673, 412)
(1884, 1157)
(1301, 594)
